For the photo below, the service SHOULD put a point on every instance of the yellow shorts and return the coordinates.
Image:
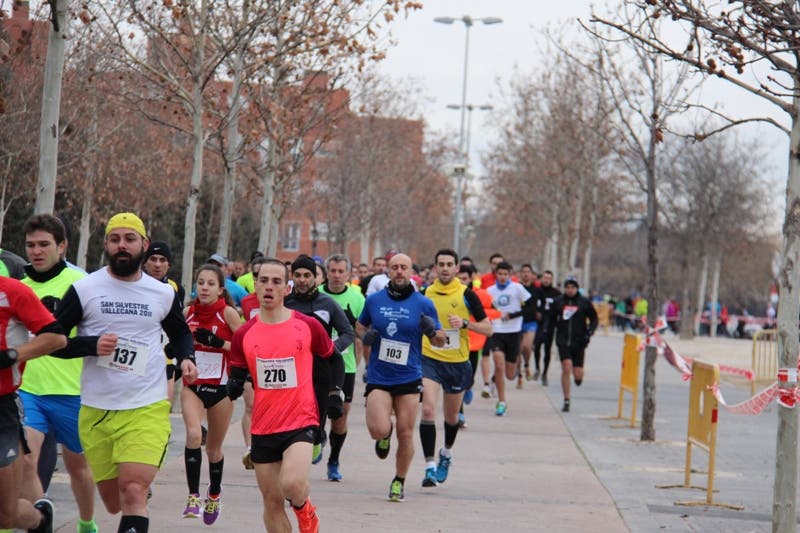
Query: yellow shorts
(136, 435)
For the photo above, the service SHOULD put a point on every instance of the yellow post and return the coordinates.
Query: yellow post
(702, 430)
(765, 358)
(629, 378)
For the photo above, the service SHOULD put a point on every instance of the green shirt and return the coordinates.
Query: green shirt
(351, 298)
(49, 375)
(247, 281)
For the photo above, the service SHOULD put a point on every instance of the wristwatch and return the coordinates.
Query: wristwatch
(12, 354)
(465, 324)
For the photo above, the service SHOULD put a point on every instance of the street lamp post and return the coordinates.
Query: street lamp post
(468, 22)
(462, 185)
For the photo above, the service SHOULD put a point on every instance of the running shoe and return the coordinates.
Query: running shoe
(396, 493)
(247, 461)
(544, 380)
(442, 468)
(44, 506)
(565, 408)
(430, 478)
(307, 519)
(203, 435)
(486, 392)
(192, 506)
(462, 420)
(500, 409)
(528, 373)
(493, 388)
(333, 471)
(382, 445)
(536, 375)
(468, 396)
(317, 455)
(87, 527)
(211, 509)
(519, 381)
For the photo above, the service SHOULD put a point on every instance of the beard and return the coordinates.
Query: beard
(124, 264)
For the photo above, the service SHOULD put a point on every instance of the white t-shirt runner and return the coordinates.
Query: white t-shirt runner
(133, 376)
(508, 300)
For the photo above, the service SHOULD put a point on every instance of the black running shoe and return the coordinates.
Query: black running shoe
(44, 506)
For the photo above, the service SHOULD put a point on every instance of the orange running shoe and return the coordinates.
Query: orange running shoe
(307, 519)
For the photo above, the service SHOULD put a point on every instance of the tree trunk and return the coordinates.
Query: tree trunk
(268, 186)
(3, 207)
(587, 255)
(701, 293)
(572, 261)
(554, 239)
(712, 327)
(187, 263)
(231, 161)
(785, 489)
(51, 110)
(364, 244)
(648, 432)
(687, 317)
(88, 186)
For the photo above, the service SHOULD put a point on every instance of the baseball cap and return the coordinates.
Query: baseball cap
(217, 258)
(126, 220)
(391, 253)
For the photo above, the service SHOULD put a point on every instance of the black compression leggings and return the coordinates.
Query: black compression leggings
(546, 340)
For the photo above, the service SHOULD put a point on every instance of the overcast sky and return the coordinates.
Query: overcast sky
(433, 53)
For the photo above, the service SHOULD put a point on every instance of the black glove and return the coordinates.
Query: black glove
(7, 359)
(370, 336)
(428, 326)
(335, 405)
(205, 336)
(349, 314)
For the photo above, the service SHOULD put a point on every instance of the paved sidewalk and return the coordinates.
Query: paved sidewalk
(522, 472)
(630, 469)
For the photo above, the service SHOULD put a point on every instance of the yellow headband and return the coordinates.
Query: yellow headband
(126, 220)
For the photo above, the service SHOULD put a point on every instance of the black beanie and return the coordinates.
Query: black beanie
(159, 248)
(303, 261)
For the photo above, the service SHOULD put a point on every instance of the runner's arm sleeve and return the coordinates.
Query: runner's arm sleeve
(237, 349)
(178, 332)
(69, 313)
(592, 314)
(336, 362)
(343, 328)
(474, 305)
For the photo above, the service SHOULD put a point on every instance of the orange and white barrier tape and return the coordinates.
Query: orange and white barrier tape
(653, 338)
(752, 406)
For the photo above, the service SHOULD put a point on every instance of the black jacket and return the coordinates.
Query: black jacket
(545, 299)
(576, 320)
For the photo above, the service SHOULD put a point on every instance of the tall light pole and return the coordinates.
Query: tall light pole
(468, 22)
(462, 187)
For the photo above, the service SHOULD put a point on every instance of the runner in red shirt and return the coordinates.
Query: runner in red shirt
(212, 319)
(20, 312)
(277, 347)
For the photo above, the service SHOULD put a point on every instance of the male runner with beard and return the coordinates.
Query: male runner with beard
(124, 418)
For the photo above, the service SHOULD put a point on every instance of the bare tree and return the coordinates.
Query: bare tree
(51, 108)
(645, 94)
(732, 42)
